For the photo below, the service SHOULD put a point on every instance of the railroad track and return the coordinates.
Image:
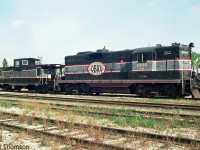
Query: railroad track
(115, 95)
(107, 113)
(90, 135)
(118, 113)
(108, 102)
(164, 116)
(70, 105)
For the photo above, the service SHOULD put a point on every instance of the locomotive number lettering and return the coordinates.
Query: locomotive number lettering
(142, 65)
(96, 68)
(8, 74)
(142, 76)
(167, 53)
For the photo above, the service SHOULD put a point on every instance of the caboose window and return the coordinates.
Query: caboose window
(24, 62)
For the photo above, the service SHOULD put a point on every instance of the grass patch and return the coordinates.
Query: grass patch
(6, 104)
(113, 111)
(42, 143)
(155, 123)
(137, 120)
(179, 135)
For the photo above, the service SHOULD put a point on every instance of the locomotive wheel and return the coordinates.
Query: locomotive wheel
(61, 88)
(55, 90)
(141, 90)
(45, 89)
(41, 89)
(38, 89)
(97, 93)
(68, 89)
(78, 89)
(172, 95)
(9, 89)
(4, 88)
(148, 94)
(19, 90)
(179, 94)
(174, 92)
(86, 89)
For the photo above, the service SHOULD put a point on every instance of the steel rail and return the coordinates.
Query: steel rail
(145, 114)
(131, 111)
(58, 136)
(63, 138)
(109, 102)
(57, 107)
(115, 130)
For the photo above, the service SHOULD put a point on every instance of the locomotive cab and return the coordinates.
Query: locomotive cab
(30, 74)
(162, 70)
(26, 62)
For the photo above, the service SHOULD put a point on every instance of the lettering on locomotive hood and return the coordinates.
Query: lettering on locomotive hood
(96, 68)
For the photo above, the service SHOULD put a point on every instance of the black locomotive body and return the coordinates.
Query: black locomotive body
(148, 71)
(28, 73)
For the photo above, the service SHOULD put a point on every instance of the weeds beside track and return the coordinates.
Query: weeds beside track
(121, 138)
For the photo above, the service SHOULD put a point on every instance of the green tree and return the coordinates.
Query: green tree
(5, 63)
(195, 60)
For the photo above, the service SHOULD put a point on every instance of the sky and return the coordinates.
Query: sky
(53, 29)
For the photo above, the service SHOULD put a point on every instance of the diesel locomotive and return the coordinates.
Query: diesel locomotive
(28, 73)
(149, 71)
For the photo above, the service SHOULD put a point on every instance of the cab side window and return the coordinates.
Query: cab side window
(141, 58)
